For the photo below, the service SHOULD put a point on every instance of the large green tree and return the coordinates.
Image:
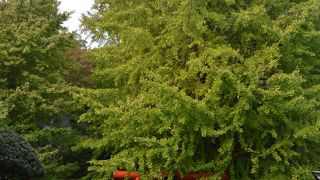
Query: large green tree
(33, 46)
(35, 68)
(205, 85)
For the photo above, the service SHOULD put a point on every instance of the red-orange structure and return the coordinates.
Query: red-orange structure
(189, 176)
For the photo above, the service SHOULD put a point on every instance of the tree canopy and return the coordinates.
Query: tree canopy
(217, 86)
(186, 85)
(33, 45)
(35, 84)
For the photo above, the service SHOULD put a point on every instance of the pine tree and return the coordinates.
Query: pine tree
(206, 85)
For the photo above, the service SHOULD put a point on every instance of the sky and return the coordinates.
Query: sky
(79, 7)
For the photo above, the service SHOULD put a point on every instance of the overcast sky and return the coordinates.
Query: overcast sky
(79, 7)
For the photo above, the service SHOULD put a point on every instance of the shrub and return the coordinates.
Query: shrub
(17, 157)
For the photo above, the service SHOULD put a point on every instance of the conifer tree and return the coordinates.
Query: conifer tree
(17, 158)
(205, 85)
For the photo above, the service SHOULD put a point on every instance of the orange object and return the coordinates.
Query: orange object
(124, 174)
(190, 176)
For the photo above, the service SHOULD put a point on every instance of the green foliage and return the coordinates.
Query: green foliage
(17, 157)
(32, 47)
(207, 85)
(57, 153)
(35, 91)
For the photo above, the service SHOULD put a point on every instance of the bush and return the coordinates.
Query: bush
(17, 157)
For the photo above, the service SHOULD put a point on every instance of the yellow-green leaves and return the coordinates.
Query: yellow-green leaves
(34, 95)
(205, 86)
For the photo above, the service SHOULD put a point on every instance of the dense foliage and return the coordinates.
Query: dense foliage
(179, 86)
(35, 90)
(206, 85)
(17, 157)
(33, 46)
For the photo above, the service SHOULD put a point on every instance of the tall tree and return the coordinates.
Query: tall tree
(34, 95)
(206, 85)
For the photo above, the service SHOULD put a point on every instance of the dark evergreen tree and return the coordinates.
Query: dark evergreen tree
(17, 158)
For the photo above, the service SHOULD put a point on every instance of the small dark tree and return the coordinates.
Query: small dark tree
(17, 157)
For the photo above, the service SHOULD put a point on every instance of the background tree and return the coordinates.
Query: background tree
(34, 82)
(184, 85)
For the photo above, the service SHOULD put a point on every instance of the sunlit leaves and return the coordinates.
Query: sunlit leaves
(204, 86)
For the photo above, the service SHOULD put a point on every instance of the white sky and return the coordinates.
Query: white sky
(79, 7)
